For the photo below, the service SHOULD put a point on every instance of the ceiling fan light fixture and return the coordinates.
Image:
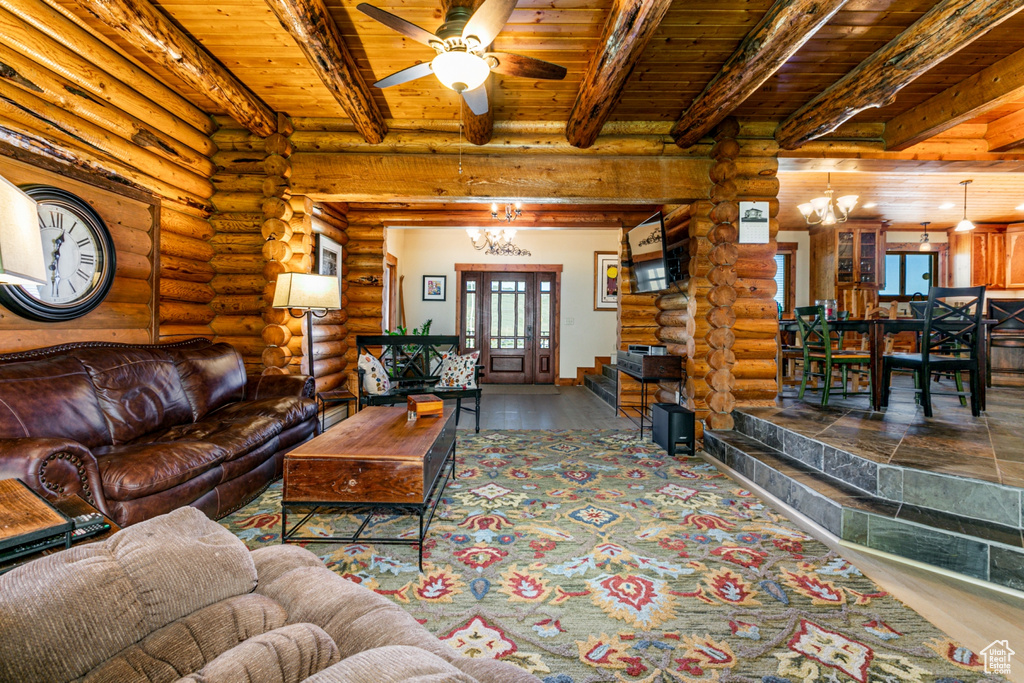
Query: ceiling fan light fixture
(460, 71)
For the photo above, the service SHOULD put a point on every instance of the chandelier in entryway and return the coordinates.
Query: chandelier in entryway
(498, 241)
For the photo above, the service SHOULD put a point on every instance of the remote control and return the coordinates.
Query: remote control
(87, 519)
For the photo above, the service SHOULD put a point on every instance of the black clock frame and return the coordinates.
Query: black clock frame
(18, 301)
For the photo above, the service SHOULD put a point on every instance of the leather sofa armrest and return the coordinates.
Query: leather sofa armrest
(54, 468)
(274, 386)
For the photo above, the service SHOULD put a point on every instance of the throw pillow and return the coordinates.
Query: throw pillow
(458, 371)
(375, 379)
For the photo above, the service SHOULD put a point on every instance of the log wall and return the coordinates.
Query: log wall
(364, 279)
(72, 105)
(636, 325)
(721, 318)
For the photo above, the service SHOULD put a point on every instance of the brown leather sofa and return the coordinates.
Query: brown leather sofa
(139, 430)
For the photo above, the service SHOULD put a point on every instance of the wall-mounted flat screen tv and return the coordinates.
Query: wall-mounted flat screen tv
(648, 270)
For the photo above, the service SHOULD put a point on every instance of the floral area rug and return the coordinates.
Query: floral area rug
(586, 556)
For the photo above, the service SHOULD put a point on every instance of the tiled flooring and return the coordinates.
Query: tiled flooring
(990, 447)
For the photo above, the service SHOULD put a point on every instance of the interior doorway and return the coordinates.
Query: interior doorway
(511, 313)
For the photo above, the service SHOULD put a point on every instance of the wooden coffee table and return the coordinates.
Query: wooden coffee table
(375, 461)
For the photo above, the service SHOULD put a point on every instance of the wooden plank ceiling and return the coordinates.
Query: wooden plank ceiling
(693, 41)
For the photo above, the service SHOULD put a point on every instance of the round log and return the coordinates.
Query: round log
(238, 325)
(721, 358)
(720, 338)
(238, 183)
(363, 233)
(271, 270)
(247, 346)
(185, 313)
(328, 366)
(724, 275)
(174, 268)
(755, 369)
(755, 268)
(185, 225)
(275, 316)
(237, 222)
(721, 401)
(276, 186)
(179, 290)
(748, 307)
(237, 243)
(746, 349)
(278, 144)
(755, 389)
(722, 171)
(723, 233)
(720, 422)
(275, 228)
(238, 283)
(751, 328)
(672, 302)
(185, 247)
(720, 380)
(672, 318)
(276, 356)
(721, 317)
(276, 335)
(237, 202)
(722, 295)
(725, 212)
(321, 227)
(170, 333)
(727, 148)
(276, 165)
(274, 207)
(756, 288)
(724, 254)
(329, 332)
(238, 304)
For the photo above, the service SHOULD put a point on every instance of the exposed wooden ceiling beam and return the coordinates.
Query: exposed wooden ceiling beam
(630, 26)
(786, 26)
(581, 217)
(946, 28)
(315, 32)
(1006, 132)
(146, 28)
(991, 87)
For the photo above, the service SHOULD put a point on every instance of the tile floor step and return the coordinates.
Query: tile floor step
(602, 386)
(609, 371)
(962, 496)
(975, 548)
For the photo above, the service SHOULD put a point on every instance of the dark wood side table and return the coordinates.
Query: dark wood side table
(71, 506)
(326, 398)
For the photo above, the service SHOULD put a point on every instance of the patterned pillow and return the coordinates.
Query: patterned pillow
(458, 371)
(375, 379)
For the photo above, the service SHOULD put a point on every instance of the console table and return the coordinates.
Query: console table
(375, 461)
(646, 369)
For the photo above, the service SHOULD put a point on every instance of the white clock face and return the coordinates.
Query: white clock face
(72, 253)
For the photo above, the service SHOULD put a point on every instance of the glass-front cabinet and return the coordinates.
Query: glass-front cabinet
(846, 264)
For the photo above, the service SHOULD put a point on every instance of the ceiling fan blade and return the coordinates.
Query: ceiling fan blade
(520, 65)
(477, 99)
(399, 24)
(488, 20)
(405, 75)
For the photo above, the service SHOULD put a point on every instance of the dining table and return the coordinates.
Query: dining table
(876, 329)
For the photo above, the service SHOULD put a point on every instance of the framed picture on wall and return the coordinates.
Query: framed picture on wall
(328, 256)
(435, 287)
(606, 280)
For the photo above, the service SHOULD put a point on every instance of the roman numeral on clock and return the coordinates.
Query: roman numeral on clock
(87, 259)
(82, 274)
(57, 220)
(83, 242)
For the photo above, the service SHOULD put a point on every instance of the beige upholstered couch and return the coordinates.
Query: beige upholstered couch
(179, 598)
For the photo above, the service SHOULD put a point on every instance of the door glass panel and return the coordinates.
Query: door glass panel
(495, 315)
(545, 286)
(520, 315)
(470, 322)
(470, 343)
(521, 286)
(494, 286)
(470, 285)
(508, 343)
(508, 286)
(520, 343)
(508, 315)
(494, 342)
(545, 314)
(545, 344)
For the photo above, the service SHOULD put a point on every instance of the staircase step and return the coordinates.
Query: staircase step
(602, 386)
(609, 371)
(976, 548)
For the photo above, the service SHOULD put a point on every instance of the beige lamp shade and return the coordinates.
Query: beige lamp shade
(21, 249)
(301, 290)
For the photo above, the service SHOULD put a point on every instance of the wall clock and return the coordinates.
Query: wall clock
(79, 255)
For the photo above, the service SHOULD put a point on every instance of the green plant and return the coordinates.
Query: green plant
(422, 330)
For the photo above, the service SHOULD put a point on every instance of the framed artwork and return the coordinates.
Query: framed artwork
(435, 287)
(328, 256)
(606, 280)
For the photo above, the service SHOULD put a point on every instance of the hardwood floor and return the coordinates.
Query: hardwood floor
(521, 407)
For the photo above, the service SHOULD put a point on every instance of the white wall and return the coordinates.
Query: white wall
(585, 333)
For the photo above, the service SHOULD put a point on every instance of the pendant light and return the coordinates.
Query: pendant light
(965, 225)
(926, 245)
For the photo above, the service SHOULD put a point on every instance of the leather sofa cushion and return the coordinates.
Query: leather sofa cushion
(190, 643)
(51, 398)
(138, 390)
(65, 614)
(131, 471)
(236, 437)
(290, 654)
(211, 376)
(291, 410)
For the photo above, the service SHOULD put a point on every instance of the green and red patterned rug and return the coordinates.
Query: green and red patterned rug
(592, 556)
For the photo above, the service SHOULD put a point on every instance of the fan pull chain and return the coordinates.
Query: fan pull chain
(460, 134)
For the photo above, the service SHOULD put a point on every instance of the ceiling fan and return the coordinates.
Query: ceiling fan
(462, 63)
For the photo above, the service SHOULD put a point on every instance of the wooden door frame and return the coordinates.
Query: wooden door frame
(555, 268)
(392, 262)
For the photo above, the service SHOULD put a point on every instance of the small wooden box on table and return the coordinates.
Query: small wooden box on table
(376, 461)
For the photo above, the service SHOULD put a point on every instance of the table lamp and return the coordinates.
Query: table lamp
(308, 294)
(21, 250)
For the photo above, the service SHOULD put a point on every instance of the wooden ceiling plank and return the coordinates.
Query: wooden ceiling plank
(314, 30)
(875, 82)
(1006, 132)
(631, 25)
(780, 33)
(146, 28)
(992, 87)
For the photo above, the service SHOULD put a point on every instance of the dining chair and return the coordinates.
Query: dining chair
(1007, 332)
(817, 340)
(950, 343)
(876, 313)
